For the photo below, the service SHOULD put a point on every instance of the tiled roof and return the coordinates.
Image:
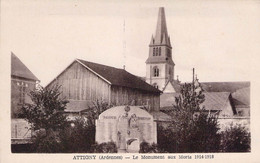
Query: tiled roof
(142, 78)
(224, 86)
(213, 100)
(78, 105)
(216, 100)
(18, 69)
(160, 116)
(242, 97)
(119, 77)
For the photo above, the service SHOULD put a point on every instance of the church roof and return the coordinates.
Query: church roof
(173, 85)
(18, 69)
(159, 59)
(119, 77)
(161, 34)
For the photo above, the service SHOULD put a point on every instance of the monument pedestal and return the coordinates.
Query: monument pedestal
(127, 127)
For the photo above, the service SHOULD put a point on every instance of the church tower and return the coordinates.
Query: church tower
(159, 65)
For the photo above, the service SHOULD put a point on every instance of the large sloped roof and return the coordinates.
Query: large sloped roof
(216, 100)
(78, 105)
(213, 100)
(241, 97)
(160, 116)
(119, 77)
(18, 69)
(224, 86)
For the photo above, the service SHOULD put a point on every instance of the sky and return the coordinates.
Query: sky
(220, 39)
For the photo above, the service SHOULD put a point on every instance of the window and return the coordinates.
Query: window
(240, 113)
(22, 89)
(156, 51)
(155, 71)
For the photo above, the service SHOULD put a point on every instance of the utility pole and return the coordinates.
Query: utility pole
(124, 47)
(193, 72)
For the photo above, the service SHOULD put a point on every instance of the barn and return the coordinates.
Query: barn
(22, 82)
(83, 82)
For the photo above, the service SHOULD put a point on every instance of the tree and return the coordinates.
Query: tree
(192, 128)
(47, 110)
(47, 118)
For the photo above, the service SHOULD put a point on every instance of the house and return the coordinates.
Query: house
(214, 102)
(83, 82)
(240, 99)
(231, 100)
(22, 82)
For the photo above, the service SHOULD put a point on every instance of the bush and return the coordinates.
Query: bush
(46, 144)
(149, 148)
(166, 139)
(109, 147)
(235, 139)
(78, 138)
(204, 136)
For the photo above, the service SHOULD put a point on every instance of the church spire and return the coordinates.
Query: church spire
(152, 41)
(161, 34)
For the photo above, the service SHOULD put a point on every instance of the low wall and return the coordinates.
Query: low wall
(20, 131)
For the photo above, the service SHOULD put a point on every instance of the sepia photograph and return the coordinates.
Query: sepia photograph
(126, 77)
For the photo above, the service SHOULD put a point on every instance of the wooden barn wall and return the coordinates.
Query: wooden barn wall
(78, 83)
(128, 96)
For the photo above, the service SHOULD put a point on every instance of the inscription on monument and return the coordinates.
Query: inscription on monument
(127, 127)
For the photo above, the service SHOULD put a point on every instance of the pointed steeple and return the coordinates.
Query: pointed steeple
(164, 40)
(169, 41)
(161, 28)
(160, 55)
(152, 41)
